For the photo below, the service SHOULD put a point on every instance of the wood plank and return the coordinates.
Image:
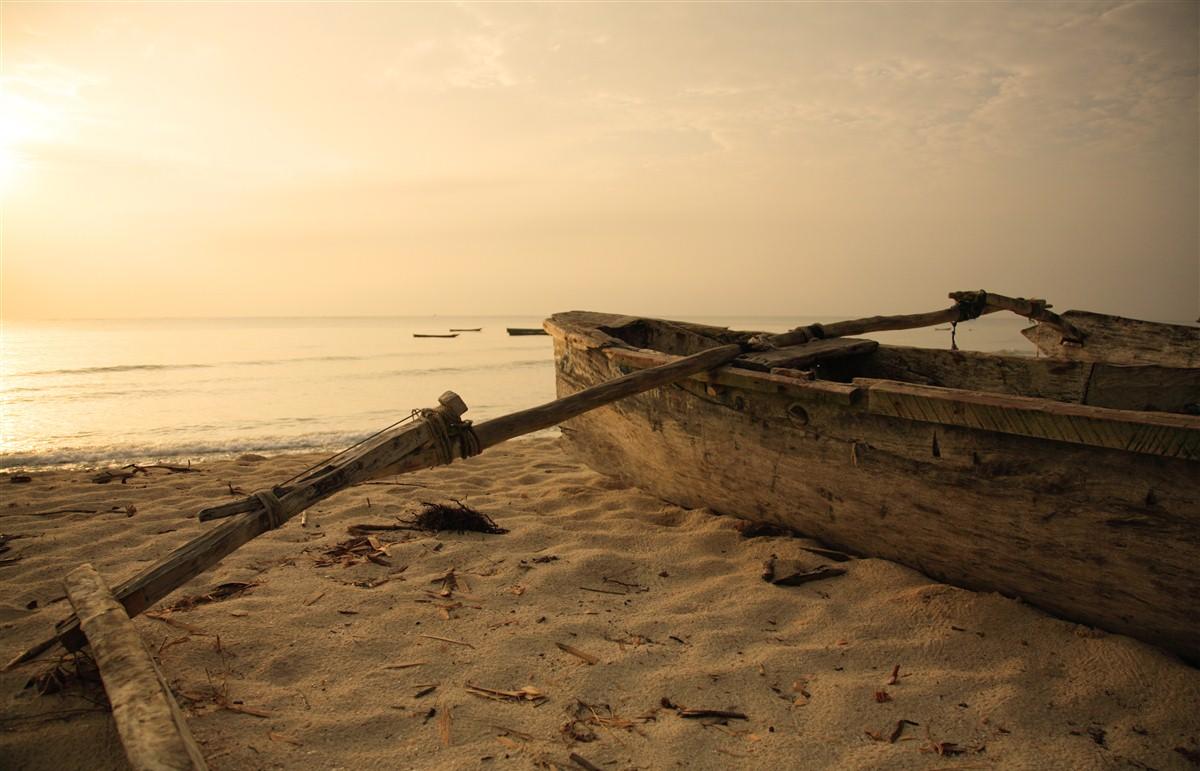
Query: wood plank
(151, 725)
(1153, 433)
(1145, 387)
(806, 354)
(1017, 375)
(1118, 340)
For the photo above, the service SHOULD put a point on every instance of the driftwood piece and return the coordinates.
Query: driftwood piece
(1118, 340)
(149, 721)
(1035, 310)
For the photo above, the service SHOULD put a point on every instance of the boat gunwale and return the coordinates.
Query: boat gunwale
(856, 394)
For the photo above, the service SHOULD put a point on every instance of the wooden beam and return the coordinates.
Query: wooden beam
(1153, 433)
(149, 721)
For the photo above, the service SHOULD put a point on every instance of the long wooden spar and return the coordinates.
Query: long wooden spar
(438, 436)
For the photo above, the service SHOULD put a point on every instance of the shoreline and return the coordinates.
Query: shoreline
(267, 452)
(354, 663)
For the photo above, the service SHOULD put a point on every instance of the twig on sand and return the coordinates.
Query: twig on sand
(589, 658)
(583, 762)
(693, 712)
(447, 639)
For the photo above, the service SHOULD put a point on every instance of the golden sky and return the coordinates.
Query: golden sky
(208, 159)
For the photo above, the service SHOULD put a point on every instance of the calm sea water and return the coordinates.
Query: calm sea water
(96, 392)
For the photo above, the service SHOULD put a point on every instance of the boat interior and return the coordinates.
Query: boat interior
(1143, 387)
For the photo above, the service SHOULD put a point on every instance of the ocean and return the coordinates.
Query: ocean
(85, 393)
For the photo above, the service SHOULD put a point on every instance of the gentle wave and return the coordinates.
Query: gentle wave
(74, 392)
(244, 363)
(73, 457)
(66, 458)
(143, 367)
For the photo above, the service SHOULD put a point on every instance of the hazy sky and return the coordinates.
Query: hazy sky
(342, 159)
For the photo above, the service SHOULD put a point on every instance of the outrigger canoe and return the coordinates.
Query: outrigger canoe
(1070, 480)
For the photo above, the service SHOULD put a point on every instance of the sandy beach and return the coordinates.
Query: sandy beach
(592, 627)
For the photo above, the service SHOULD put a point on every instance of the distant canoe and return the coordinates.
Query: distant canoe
(453, 335)
(515, 331)
(472, 329)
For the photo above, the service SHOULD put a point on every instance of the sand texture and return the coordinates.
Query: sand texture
(601, 606)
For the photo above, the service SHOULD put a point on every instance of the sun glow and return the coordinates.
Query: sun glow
(11, 167)
(24, 122)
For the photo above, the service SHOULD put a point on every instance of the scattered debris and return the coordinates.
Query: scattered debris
(750, 529)
(355, 551)
(543, 560)
(1192, 756)
(582, 715)
(70, 672)
(829, 554)
(632, 640)
(628, 587)
(275, 737)
(219, 697)
(1097, 734)
(528, 693)
(165, 617)
(882, 696)
(589, 658)
(459, 518)
(448, 640)
(894, 735)
(424, 690)
(362, 528)
(895, 678)
(792, 573)
(947, 749)
(408, 665)
(125, 473)
(694, 712)
(443, 726)
(216, 594)
(583, 763)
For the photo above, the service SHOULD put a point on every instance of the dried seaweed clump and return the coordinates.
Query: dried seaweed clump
(459, 517)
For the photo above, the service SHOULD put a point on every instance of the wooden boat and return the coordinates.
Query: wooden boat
(517, 331)
(1072, 482)
(447, 335)
(471, 329)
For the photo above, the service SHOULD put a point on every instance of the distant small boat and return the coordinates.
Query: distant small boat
(515, 331)
(452, 335)
(472, 329)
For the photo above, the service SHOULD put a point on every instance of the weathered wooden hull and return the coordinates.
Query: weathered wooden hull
(1099, 534)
